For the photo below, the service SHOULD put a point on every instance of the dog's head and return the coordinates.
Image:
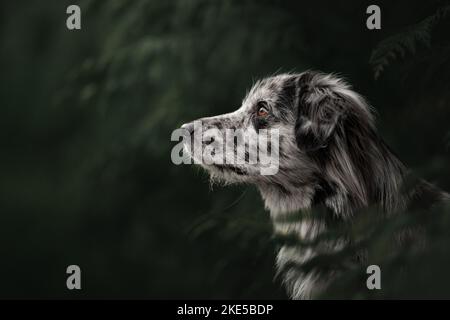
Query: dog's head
(309, 113)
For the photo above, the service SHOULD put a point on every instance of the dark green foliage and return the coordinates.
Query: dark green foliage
(408, 41)
(85, 170)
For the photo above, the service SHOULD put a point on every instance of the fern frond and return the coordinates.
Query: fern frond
(405, 42)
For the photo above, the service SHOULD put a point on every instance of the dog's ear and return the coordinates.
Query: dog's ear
(318, 112)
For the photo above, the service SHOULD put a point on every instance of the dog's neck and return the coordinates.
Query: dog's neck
(280, 201)
(343, 186)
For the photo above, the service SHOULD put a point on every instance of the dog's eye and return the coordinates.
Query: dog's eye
(262, 109)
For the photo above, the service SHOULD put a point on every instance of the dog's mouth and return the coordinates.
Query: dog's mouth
(226, 167)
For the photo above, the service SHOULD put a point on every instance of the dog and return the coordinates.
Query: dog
(329, 154)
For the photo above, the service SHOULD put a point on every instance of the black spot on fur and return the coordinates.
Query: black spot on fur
(323, 190)
(260, 123)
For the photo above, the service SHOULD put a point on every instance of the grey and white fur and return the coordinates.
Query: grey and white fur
(330, 154)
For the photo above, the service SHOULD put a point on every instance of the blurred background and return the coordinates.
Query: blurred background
(86, 116)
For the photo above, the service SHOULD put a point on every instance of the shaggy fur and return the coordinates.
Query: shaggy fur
(329, 154)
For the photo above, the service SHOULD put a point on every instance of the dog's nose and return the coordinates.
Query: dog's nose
(189, 127)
